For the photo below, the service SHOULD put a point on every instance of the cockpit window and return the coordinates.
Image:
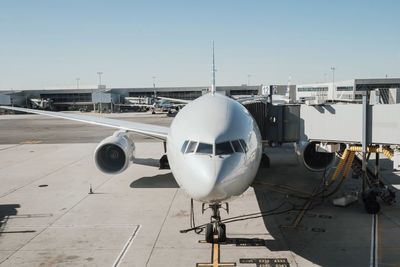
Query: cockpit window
(205, 148)
(223, 148)
(191, 147)
(237, 146)
(184, 146)
(243, 143)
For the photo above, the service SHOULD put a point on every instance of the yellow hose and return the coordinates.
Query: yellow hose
(339, 167)
(374, 149)
(349, 163)
(387, 152)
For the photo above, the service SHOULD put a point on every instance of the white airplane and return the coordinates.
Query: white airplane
(41, 103)
(168, 104)
(213, 148)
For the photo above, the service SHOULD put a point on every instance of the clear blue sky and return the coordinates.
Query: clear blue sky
(47, 43)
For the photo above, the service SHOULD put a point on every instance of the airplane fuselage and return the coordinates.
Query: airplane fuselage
(214, 148)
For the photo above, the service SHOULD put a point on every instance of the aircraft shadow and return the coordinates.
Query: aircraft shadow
(158, 181)
(7, 210)
(326, 235)
(255, 242)
(147, 162)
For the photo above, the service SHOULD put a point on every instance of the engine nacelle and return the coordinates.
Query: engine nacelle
(311, 158)
(114, 153)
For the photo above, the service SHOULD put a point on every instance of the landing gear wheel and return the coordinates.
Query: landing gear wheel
(222, 233)
(264, 161)
(209, 233)
(370, 203)
(164, 164)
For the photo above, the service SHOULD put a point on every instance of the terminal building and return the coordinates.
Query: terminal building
(109, 99)
(385, 91)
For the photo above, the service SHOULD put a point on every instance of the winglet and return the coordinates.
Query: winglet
(213, 89)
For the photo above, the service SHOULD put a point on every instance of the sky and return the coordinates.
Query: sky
(49, 43)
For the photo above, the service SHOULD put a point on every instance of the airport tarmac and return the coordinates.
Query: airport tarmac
(49, 217)
(28, 128)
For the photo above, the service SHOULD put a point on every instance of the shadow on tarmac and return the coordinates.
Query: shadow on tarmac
(326, 235)
(7, 210)
(158, 181)
(255, 242)
(147, 162)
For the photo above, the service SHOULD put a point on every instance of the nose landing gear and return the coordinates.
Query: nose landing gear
(215, 231)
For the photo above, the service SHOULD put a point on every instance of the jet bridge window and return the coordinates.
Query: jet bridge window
(205, 148)
(191, 147)
(223, 148)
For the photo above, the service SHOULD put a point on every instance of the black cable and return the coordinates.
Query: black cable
(256, 213)
(259, 216)
(197, 230)
(246, 217)
(271, 212)
(200, 228)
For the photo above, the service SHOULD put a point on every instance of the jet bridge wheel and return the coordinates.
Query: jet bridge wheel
(370, 203)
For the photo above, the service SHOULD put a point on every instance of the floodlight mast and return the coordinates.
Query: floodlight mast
(213, 89)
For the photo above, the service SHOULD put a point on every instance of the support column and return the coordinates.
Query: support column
(365, 140)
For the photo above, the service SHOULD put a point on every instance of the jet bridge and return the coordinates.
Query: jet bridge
(343, 123)
(365, 128)
(337, 123)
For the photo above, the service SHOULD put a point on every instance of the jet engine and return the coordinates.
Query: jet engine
(311, 158)
(114, 153)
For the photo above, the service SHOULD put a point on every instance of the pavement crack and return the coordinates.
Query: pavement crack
(57, 219)
(162, 226)
(2, 149)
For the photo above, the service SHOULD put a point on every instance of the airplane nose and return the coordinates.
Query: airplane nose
(205, 181)
(207, 177)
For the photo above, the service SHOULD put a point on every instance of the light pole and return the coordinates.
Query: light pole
(101, 94)
(248, 79)
(99, 73)
(288, 87)
(77, 83)
(12, 97)
(333, 81)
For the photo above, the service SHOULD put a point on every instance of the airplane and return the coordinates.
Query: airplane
(41, 103)
(213, 147)
(167, 104)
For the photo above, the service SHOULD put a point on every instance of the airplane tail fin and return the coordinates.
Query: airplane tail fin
(213, 89)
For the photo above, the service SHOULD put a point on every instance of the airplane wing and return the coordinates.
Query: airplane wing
(138, 105)
(241, 100)
(276, 99)
(155, 131)
(175, 100)
(250, 98)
